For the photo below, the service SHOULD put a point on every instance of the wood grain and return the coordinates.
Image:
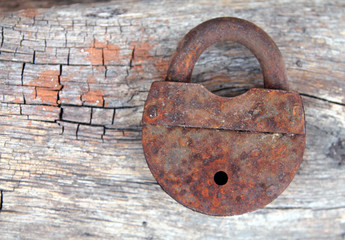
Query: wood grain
(73, 81)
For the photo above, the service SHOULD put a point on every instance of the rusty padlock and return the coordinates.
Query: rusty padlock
(223, 156)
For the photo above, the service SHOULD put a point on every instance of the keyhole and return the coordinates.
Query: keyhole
(220, 178)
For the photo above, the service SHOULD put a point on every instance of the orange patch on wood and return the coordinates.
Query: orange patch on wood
(144, 60)
(95, 56)
(47, 87)
(65, 96)
(98, 68)
(91, 80)
(142, 52)
(48, 79)
(29, 35)
(93, 97)
(112, 56)
(165, 21)
(18, 100)
(63, 80)
(30, 13)
(111, 53)
(161, 66)
(47, 96)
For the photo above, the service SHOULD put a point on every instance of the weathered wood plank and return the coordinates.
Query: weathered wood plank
(73, 81)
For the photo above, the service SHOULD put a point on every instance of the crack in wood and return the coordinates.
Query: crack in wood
(54, 64)
(1, 200)
(77, 130)
(113, 117)
(137, 129)
(22, 74)
(105, 71)
(91, 115)
(102, 136)
(322, 99)
(58, 102)
(34, 57)
(35, 95)
(68, 56)
(131, 59)
(305, 208)
(102, 56)
(87, 106)
(2, 37)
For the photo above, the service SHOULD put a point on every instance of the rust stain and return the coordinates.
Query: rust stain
(98, 68)
(93, 97)
(66, 79)
(91, 80)
(94, 55)
(166, 21)
(112, 56)
(105, 53)
(29, 13)
(68, 82)
(47, 96)
(111, 53)
(47, 87)
(161, 66)
(18, 100)
(144, 60)
(142, 52)
(48, 79)
(29, 35)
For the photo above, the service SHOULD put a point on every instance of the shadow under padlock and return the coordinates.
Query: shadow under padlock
(223, 156)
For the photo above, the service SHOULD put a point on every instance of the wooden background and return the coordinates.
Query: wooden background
(73, 81)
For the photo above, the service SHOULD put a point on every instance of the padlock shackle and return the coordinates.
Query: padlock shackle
(229, 29)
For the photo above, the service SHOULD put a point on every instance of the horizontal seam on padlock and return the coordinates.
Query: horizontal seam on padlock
(224, 129)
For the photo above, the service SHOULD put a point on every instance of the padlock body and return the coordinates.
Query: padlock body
(190, 135)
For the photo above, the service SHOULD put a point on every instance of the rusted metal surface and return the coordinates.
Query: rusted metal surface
(223, 156)
(192, 105)
(189, 135)
(229, 29)
(259, 166)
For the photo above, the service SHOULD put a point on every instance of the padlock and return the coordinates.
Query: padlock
(223, 156)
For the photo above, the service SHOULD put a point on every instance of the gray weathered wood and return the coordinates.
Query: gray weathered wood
(73, 81)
